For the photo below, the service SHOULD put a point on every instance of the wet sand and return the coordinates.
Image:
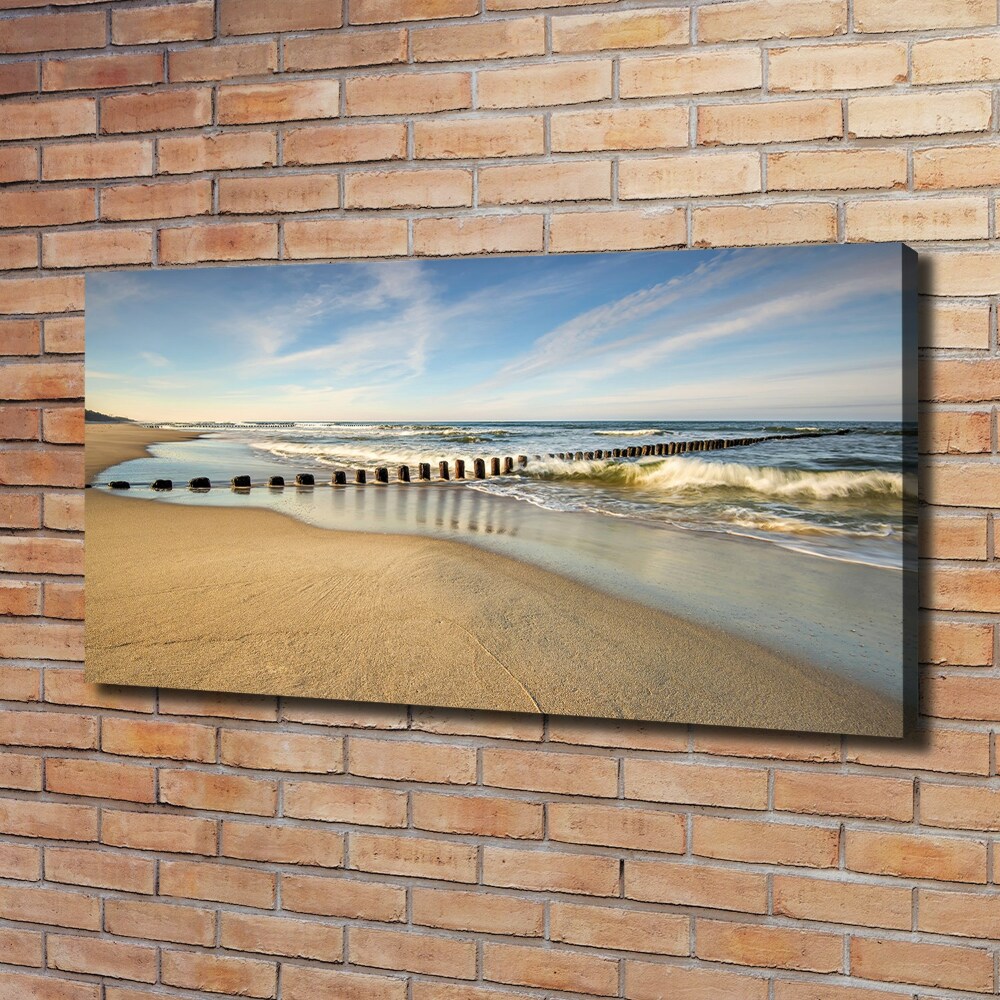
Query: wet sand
(109, 444)
(255, 601)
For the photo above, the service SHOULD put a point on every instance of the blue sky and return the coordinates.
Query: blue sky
(791, 333)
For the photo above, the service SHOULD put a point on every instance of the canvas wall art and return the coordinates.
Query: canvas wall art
(657, 486)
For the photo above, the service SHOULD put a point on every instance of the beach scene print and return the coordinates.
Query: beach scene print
(653, 486)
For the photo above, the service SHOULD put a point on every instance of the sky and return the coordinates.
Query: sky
(791, 333)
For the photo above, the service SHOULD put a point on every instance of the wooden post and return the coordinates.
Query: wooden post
(305, 479)
(163, 484)
(403, 474)
(200, 483)
(443, 471)
(522, 460)
(118, 484)
(460, 468)
(240, 482)
(381, 474)
(578, 456)
(276, 481)
(479, 468)
(494, 466)
(425, 471)
(340, 478)
(508, 465)
(361, 477)
(589, 456)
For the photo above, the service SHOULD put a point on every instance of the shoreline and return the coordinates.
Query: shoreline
(478, 629)
(114, 443)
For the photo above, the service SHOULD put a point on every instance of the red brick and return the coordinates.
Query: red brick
(64, 600)
(49, 32)
(373, 237)
(223, 62)
(647, 981)
(471, 235)
(381, 11)
(69, 161)
(21, 336)
(177, 22)
(48, 820)
(765, 843)
(18, 163)
(827, 794)
(693, 784)
(67, 687)
(443, 188)
(159, 832)
(156, 111)
(218, 792)
(839, 902)
(487, 40)
(418, 857)
(225, 151)
(21, 772)
(31, 987)
(138, 69)
(43, 207)
(273, 102)
(20, 947)
(100, 779)
(220, 883)
(345, 143)
(48, 729)
(335, 51)
(411, 952)
(19, 423)
(215, 974)
(620, 929)
(410, 761)
(155, 921)
(156, 201)
(282, 752)
(254, 17)
(282, 844)
(62, 556)
(304, 983)
(18, 251)
(341, 803)
(42, 295)
(402, 94)
(113, 959)
(49, 466)
(97, 248)
(19, 510)
(19, 78)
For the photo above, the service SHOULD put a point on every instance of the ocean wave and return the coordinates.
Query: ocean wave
(647, 432)
(763, 521)
(680, 476)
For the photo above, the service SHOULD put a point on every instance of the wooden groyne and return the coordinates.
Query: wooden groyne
(482, 468)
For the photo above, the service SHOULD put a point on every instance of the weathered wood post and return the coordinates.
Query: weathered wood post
(403, 474)
(200, 483)
(340, 478)
(522, 460)
(240, 482)
(424, 471)
(381, 474)
(305, 479)
(361, 477)
(494, 466)
(163, 484)
(460, 468)
(589, 456)
(118, 484)
(443, 471)
(479, 468)
(508, 465)
(578, 456)
(276, 481)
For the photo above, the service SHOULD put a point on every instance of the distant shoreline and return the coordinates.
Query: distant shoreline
(108, 444)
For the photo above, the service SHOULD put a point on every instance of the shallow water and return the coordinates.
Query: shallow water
(841, 615)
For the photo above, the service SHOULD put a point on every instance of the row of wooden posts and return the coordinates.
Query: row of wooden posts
(497, 466)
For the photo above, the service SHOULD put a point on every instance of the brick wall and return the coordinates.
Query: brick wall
(171, 845)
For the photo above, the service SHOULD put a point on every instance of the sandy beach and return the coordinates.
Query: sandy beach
(260, 602)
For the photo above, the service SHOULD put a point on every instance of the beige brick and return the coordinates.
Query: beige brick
(241, 977)
(825, 794)
(342, 897)
(626, 30)
(620, 128)
(177, 22)
(696, 784)
(964, 914)
(923, 963)
(919, 114)
(772, 121)
(222, 883)
(289, 845)
(713, 72)
(273, 102)
(489, 40)
(304, 983)
(382, 11)
(959, 218)
(617, 230)
(909, 855)
(836, 170)
(974, 272)
(477, 815)
(335, 51)
(539, 86)
(487, 234)
(765, 843)
(563, 773)
(280, 936)
(370, 237)
(253, 17)
(689, 175)
(278, 194)
(223, 241)
(944, 167)
(362, 805)
(836, 67)
(48, 32)
(773, 224)
(469, 138)
(698, 884)
(226, 151)
(345, 144)
(408, 189)
(478, 911)
(620, 929)
(550, 871)
(102, 72)
(69, 161)
(769, 947)
(408, 93)
(223, 62)
(550, 968)
(96, 248)
(839, 902)
(112, 959)
(420, 857)
(915, 15)
(157, 111)
(957, 60)
(753, 19)
(44, 119)
(654, 981)
(545, 182)
(413, 952)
